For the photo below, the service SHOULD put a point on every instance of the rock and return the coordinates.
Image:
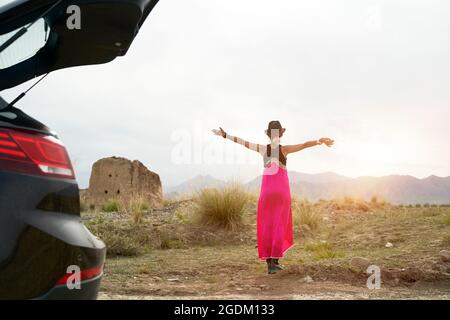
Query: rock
(122, 179)
(307, 279)
(173, 280)
(445, 255)
(389, 245)
(360, 263)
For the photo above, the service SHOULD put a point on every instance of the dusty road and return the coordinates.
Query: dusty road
(313, 291)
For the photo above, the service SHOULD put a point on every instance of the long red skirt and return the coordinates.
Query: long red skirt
(274, 215)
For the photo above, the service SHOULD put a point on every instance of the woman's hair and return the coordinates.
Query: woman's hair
(275, 127)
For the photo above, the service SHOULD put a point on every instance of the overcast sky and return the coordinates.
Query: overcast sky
(373, 75)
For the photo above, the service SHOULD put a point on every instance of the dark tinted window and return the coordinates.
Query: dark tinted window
(25, 47)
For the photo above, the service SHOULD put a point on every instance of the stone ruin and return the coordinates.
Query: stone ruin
(120, 178)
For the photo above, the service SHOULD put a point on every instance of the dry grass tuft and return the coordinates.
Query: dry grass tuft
(135, 208)
(223, 208)
(305, 216)
(112, 205)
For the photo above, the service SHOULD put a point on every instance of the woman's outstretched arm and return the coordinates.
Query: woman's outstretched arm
(249, 145)
(298, 147)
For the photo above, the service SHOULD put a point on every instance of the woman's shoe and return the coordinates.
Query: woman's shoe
(272, 270)
(277, 264)
(271, 267)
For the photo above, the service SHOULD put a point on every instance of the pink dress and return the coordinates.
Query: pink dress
(274, 215)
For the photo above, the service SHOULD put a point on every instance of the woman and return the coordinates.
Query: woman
(274, 215)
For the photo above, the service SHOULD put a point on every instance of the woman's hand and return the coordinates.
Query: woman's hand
(220, 132)
(327, 141)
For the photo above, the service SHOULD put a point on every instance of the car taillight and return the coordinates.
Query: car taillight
(35, 154)
(83, 275)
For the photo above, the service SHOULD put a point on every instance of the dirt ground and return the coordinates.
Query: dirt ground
(197, 262)
(240, 283)
(321, 291)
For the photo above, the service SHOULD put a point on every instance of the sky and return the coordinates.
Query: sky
(372, 75)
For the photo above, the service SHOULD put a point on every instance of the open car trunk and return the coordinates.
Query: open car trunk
(107, 29)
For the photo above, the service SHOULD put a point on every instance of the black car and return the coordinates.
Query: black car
(43, 243)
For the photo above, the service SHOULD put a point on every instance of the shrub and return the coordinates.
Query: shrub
(304, 215)
(112, 205)
(121, 237)
(223, 208)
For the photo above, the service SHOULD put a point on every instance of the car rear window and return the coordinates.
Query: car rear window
(3, 103)
(3, 2)
(26, 46)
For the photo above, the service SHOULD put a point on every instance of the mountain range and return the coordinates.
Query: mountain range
(400, 189)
